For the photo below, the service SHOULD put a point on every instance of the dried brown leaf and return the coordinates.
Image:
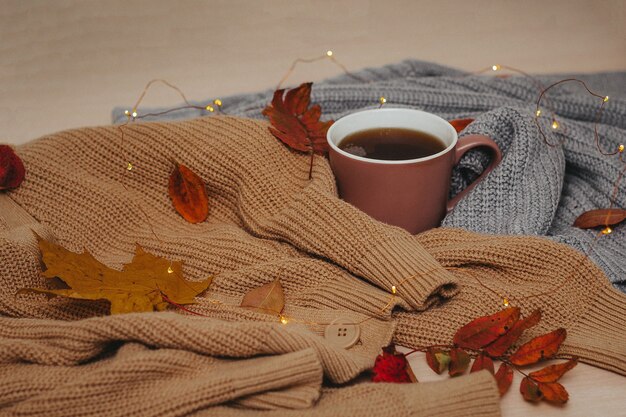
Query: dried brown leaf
(530, 391)
(138, 287)
(437, 359)
(600, 217)
(484, 330)
(188, 194)
(540, 348)
(459, 362)
(553, 373)
(268, 298)
(481, 362)
(504, 378)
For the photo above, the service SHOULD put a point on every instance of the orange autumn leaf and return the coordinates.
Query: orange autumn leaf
(539, 348)
(553, 373)
(504, 342)
(504, 378)
(553, 392)
(437, 360)
(459, 362)
(268, 298)
(460, 124)
(296, 124)
(600, 217)
(484, 330)
(481, 362)
(530, 390)
(188, 194)
(145, 284)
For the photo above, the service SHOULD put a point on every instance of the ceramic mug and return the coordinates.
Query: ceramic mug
(413, 193)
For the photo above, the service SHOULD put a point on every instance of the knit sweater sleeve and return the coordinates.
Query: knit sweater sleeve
(276, 200)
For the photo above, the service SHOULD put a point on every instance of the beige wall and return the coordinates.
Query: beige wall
(66, 63)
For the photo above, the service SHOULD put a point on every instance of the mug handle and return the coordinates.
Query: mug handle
(465, 144)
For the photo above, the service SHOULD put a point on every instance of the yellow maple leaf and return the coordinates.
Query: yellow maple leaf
(138, 287)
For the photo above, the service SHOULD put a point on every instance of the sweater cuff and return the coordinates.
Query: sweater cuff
(599, 337)
(403, 263)
(475, 394)
(260, 382)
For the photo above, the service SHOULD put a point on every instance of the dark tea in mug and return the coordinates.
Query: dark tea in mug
(391, 144)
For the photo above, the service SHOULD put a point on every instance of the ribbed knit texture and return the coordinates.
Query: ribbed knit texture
(267, 220)
(536, 190)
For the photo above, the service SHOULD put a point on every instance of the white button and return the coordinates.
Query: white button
(343, 332)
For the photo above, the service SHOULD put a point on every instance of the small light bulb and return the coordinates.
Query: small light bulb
(210, 108)
(134, 114)
(620, 148)
(605, 99)
(393, 289)
(538, 113)
(169, 269)
(129, 166)
(284, 320)
(505, 302)
(607, 231)
(217, 102)
(555, 124)
(495, 67)
(329, 53)
(382, 100)
(126, 112)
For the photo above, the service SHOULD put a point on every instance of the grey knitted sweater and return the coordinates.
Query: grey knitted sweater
(537, 189)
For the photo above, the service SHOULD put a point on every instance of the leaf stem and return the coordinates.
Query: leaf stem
(168, 300)
(311, 165)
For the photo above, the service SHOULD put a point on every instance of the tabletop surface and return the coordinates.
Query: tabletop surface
(66, 63)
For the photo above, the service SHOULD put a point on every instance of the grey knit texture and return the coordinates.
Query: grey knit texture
(537, 189)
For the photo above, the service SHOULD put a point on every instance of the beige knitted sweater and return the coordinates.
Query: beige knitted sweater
(267, 220)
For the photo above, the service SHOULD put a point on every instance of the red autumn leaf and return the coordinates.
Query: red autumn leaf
(539, 348)
(504, 342)
(12, 169)
(530, 391)
(484, 330)
(553, 373)
(481, 362)
(188, 194)
(601, 217)
(295, 123)
(460, 124)
(504, 378)
(459, 362)
(391, 366)
(437, 359)
(553, 392)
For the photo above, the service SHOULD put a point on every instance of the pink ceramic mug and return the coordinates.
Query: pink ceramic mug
(412, 194)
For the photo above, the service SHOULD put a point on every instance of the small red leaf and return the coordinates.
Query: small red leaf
(504, 342)
(481, 362)
(188, 194)
(504, 378)
(12, 169)
(553, 392)
(459, 362)
(391, 366)
(601, 217)
(460, 124)
(553, 373)
(295, 123)
(484, 330)
(530, 391)
(539, 348)
(437, 359)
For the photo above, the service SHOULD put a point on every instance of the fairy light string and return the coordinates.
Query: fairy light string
(542, 106)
